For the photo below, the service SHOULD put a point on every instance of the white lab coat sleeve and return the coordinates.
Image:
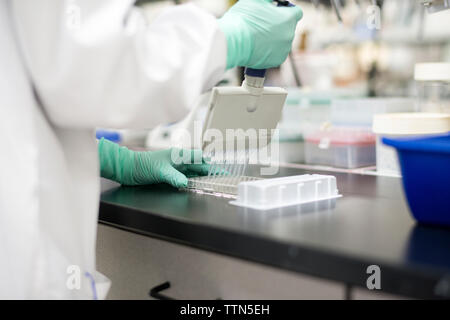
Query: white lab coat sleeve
(98, 63)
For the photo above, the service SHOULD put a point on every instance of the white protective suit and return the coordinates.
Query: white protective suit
(93, 63)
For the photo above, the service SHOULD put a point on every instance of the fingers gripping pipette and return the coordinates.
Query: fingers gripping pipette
(261, 73)
(254, 78)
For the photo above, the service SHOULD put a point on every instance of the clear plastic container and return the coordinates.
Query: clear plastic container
(286, 191)
(387, 162)
(433, 87)
(398, 125)
(341, 147)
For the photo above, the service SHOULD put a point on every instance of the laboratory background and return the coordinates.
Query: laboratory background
(358, 207)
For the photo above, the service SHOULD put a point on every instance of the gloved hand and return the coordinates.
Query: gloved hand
(138, 168)
(259, 34)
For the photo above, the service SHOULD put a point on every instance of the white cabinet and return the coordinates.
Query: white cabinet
(136, 263)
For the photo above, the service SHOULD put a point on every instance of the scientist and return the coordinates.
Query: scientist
(67, 67)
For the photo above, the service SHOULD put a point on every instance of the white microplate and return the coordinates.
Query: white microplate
(286, 191)
(226, 185)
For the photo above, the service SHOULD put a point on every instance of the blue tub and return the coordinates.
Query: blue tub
(425, 165)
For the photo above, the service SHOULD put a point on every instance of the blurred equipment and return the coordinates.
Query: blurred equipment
(360, 112)
(433, 86)
(425, 169)
(336, 6)
(305, 112)
(436, 5)
(313, 70)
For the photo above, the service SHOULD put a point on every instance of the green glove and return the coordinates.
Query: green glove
(138, 168)
(259, 34)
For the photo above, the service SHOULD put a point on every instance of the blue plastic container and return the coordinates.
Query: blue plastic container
(108, 135)
(425, 165)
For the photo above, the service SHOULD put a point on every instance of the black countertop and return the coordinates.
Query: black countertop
(336, 239)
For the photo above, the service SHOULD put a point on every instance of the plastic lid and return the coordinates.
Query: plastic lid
(411, 123)
(343, 136)
(439, 71)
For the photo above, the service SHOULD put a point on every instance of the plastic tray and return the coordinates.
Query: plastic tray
(286, 191)
(425, 166)
(341, 147)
